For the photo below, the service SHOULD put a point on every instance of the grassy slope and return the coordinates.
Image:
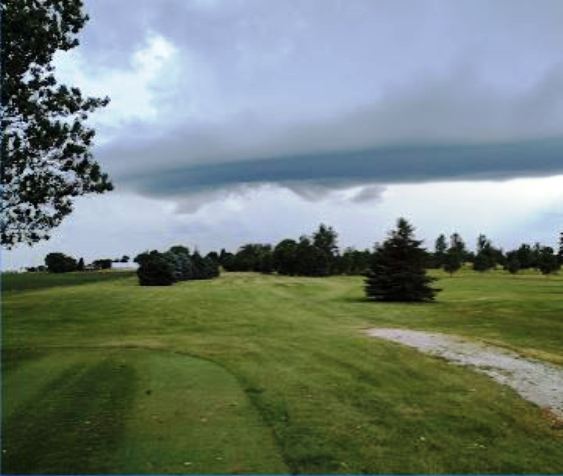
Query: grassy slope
(30, 281)
(331, 399)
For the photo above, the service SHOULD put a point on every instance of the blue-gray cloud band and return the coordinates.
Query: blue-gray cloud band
(391, 164)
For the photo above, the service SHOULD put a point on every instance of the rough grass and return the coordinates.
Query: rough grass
(29, 281)
(253, 373)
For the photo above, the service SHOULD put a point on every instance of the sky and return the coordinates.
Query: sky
(236, 121)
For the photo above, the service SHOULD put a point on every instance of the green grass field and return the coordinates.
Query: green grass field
(251, 373)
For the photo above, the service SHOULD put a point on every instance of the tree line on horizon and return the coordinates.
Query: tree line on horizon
(395, 270)
(319, 255)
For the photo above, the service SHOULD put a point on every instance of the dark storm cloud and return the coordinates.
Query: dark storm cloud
(318, 95)
(384, 165)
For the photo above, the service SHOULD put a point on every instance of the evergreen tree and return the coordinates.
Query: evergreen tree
(485, 256)
(458, 245)
(80, 266)
(560, 254)
(155, 269)
(440, 249)
(397, 271)
(452, 261)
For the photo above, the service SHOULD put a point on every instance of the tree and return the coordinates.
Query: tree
(124, 259)
(46, 145)
(285, 257)
(325, 239)
(155, 269)
(60, 263)
(512, 264)
(310, 259)
(560, 253)
(452, 261)
(80, 266)
(397, 272)
(204, 268)
(485, 256)
(525, 256)
(548, 262)
(440, 249)
(353, 262)
(104, 263)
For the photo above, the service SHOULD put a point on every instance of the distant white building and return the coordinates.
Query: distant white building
(132, 266)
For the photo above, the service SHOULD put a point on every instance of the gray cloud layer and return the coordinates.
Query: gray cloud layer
(316, 95)
(391, 164)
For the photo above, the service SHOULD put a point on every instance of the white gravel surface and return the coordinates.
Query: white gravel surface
(536, 381)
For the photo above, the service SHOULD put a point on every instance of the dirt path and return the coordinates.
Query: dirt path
(537, 381)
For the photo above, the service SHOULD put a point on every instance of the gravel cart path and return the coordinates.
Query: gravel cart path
(536, 381)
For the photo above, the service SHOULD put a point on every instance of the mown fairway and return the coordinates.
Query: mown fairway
(251, 373)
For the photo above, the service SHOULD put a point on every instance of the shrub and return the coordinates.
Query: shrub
(155, 270)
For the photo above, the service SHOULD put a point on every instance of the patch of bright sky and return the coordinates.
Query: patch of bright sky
(117, 224)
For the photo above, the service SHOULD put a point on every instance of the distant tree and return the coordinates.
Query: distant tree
(213, 255)
(310, 259)
(60, 263)
(353, 262)
(397, 272)
(104, 263)
(325, 239)
(45, 144)
(155, 269)
(440, 249)
(80, 266)
(512, 264)
(485, 256)
(179, 257)
(560, 253)
(458, 245)
(285, 257)
(255, 257)
(548, 261)
(526, 256)
(266, 262)
(124, 259)
(227, 261)
(204, 268)
(452, 261)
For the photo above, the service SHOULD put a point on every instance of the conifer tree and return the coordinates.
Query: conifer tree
(440, 249)
(397, 272)
(452, 261)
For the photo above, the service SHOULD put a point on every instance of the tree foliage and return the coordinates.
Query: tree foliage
(45, 147)
(397, 272)
(60, 263)
(176, 264)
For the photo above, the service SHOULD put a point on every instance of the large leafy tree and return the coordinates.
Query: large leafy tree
(398, 269)
(46, 144)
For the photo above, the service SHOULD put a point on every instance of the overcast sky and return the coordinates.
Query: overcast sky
(238, 121)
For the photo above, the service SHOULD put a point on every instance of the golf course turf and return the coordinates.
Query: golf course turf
(267, 374)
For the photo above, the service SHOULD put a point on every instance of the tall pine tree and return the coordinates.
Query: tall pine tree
(397, 272)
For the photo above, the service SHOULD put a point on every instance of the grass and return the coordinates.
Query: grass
(253, 373)
(40, 280)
